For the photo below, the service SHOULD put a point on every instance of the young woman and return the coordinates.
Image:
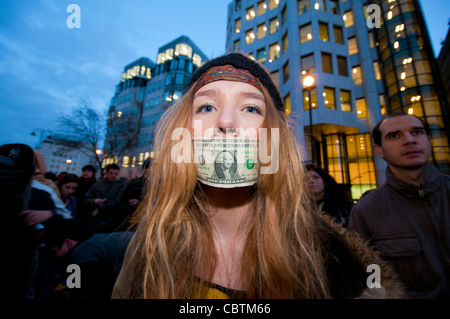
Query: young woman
(329, 197)
(67, 186)
(247, 237)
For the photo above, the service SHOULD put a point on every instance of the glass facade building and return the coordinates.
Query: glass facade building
(145, 91)
(362, 71)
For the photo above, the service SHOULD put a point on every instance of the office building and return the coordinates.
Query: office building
(144, 92)
(368, 59)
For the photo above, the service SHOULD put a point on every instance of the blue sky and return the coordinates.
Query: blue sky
(47, 68)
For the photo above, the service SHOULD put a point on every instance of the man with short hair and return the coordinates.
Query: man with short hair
(87, 179)
(408, 218)
(104, 199)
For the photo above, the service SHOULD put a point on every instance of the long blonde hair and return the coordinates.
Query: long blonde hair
(282, 255)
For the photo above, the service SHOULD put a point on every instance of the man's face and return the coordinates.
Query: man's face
(87, 174)
(404, 142)
(111, 175)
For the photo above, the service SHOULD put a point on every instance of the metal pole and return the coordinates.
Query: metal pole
(311, 127)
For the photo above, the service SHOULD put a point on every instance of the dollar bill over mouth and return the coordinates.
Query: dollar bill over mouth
(226, 162)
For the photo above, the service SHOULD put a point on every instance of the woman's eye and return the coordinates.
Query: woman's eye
(205, 109)
(252, 109)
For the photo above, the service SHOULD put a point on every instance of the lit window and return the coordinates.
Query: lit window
(352, 46)
(261, 7)
(274, 52)
(346, 101)
(197, 60)
(323, 31)
(183, 49)
(273, 25)
(306, 102)
(249, 36)
(250, 13)
(329, 98)
(237, 25)
(356, 75)
(320, 5)
(286, 71)
(287, 103)
(376, 68)
(348, 18)
(285, 42)
(334, 6)
(361, 108)
(261, 31)
(273, 4)
(303, 6)
(306, 33)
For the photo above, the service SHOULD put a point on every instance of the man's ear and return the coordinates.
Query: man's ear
(378, 150)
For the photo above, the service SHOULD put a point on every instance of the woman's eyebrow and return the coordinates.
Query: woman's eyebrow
(252, 95)
(210, 92)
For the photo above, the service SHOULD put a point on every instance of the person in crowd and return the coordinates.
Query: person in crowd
(98, 256)
(40, 169)
(87, 179)
(67, 186)
(329, 197)
(133, 195)
(408, 218)
(104, 199)
(256, 236)
(44, 206)
(51, 176)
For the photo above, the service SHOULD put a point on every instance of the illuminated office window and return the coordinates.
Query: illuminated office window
(361, 108)
(382, 101)
(261, 31)
(306, 33)
(371, 39)
(319, 5)
(237, 25)
(274, 51)
(346, 101)
(327, 65)
(274, 24)
(376, 68)
(303, 6)
(249, 36)
(323, 31)
(285, 41)
(286, 71)
(183, 49)
(329, 98)
(273, 4)
(357, 75)
(250, 13)
(352, 46)
(348, 18)
(261, 7)
(313, 103)
(287, 103)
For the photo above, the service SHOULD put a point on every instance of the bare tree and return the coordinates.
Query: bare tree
(85, 126)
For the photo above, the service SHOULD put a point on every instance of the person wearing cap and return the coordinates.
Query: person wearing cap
(249, 237)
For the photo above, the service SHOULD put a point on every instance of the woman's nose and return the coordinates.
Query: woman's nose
(227, 123)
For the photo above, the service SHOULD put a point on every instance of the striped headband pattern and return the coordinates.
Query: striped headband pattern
(227, 73)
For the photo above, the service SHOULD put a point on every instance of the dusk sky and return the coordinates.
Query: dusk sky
(46, 68)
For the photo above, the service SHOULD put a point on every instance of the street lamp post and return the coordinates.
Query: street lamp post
(308, 83)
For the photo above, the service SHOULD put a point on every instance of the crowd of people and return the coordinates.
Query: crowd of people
(292, 233)
(61, 220)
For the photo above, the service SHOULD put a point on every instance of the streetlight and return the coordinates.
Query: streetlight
(308, 83)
